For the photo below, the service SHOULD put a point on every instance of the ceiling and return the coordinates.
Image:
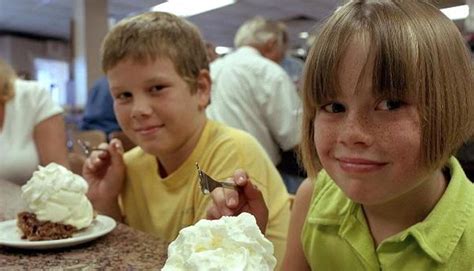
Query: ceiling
(51, 18)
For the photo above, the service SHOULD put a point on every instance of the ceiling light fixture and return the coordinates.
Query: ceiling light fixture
(222, 50)
(187, 8)
(457, 12)
(303, 35)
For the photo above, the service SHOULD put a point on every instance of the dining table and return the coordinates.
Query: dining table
(124, 248)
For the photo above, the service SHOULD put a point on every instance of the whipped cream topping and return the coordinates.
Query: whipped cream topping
(230, 243)
(56, 194)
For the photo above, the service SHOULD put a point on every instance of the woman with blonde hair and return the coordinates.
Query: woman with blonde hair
(32, 130)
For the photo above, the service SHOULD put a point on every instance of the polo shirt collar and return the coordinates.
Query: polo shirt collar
(441, 231)
(437, 235)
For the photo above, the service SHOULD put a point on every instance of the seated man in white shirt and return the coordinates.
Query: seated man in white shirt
(250, 91)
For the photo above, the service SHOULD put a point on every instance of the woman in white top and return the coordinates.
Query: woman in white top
(32, 130)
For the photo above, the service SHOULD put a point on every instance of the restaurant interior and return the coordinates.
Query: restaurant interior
(57, 44)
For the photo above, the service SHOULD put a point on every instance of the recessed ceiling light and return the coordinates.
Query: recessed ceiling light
(223, 50)
(303, 35)
(186, 8)
(457, 12)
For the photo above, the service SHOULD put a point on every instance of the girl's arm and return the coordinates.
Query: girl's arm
(294, 256)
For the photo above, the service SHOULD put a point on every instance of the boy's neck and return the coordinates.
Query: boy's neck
(399, 214)
(170, 162)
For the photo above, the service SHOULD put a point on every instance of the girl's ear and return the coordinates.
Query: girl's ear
(203, 88)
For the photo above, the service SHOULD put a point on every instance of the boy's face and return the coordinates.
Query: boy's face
(155, 107)
(369, 145)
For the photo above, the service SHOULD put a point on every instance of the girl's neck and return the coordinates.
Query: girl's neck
(399, 214)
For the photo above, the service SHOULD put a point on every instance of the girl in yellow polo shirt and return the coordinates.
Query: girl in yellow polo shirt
(388, 99)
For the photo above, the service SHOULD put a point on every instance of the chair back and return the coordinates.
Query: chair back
(76, 156)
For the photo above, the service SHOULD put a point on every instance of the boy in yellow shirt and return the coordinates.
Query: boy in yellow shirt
(158, 73)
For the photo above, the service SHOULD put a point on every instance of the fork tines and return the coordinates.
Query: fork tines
(208, 184)
(87, 149)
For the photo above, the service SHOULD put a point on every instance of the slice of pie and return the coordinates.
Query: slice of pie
(35, 230)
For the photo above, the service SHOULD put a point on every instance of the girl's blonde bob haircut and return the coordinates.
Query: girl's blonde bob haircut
(419, 55)
(7, 82)
(150, 35)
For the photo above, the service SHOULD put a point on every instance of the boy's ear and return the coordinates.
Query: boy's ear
(203, 88)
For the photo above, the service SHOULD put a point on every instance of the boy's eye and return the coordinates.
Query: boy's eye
(389, 104)
(334, 108)
(123, 96)
(157, 88)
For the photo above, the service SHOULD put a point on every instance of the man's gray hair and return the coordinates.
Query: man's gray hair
(258, 31)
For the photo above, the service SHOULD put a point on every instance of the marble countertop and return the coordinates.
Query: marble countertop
(122, 249)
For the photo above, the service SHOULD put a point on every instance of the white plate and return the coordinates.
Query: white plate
(10, 235)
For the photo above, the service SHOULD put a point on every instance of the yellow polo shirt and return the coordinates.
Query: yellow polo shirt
(163, 206)
(336, 236)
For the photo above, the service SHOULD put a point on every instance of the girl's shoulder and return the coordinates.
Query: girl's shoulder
(328, 202)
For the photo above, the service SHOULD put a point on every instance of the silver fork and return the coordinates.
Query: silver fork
(87, 149)
(208, 184)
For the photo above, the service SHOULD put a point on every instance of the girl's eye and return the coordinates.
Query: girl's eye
(334, 108)
(389, 104)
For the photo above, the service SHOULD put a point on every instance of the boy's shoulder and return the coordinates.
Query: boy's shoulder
(224, 134)
(135, 155)
(222, 140)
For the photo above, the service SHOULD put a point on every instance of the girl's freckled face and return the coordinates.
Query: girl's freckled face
(369, 145)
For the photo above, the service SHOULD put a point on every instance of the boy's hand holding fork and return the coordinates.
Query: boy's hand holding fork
(104, 171)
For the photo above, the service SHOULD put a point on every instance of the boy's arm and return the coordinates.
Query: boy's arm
(105, 174)
(294, 256)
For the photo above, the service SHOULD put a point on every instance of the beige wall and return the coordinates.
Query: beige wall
(20, 52)
(4, 49)
(90, 27)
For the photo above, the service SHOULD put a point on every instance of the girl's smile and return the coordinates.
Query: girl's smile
(354, 165)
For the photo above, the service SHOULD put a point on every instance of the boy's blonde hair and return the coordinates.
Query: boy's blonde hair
(419, 55)
(157, 34)
(7, 82)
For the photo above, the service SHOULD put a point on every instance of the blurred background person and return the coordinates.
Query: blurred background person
(292, 65)
(99, 110)
(251, 92)
(211, 51)
(32, 130)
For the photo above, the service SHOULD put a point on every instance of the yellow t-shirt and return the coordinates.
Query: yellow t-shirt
(336, 236)
(164, 206)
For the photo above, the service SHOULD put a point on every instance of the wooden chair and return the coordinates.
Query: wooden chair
(76, 161)
(76, 156)
(292, 200)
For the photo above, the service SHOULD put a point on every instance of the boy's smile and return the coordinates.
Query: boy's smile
(148, 130)
(156, 107)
